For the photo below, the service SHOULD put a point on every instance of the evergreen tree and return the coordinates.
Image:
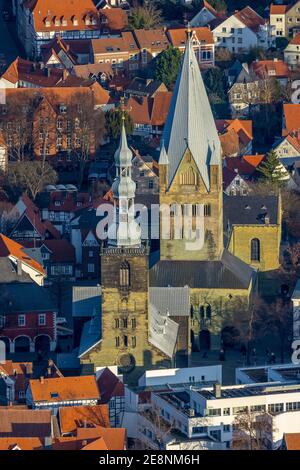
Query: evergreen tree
(167, 66)
(113, 119)
(271, 169)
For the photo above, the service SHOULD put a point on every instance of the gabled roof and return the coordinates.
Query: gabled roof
(20, 422)
(116, 19)
(245, 165)
(64, 388)
(150, 110)
(291, 113)
(279, 9)
(109, 45)
(250, 18)
(11, 248)
(21, 443)
(154, 39)
(98, 438)
(190, 123)
(73, 417)
(68, 10)
(295, 41)
(271, 68)
(110, 385)
(178, 36)
(27, 71)
(292, 440)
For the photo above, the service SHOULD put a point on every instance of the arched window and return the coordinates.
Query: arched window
(188, 178)
(124, 274)
(201, 311)
(255, 249)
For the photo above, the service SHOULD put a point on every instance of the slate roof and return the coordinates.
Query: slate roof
(227, 273)
(250, 210)
(91, 335)
(27, 296)
(8, 272)
(190, 123)
(163, 331)
(172, 300)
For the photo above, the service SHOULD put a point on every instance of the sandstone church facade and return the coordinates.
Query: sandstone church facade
(152, 311)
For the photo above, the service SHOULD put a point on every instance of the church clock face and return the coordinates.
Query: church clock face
(126, 363)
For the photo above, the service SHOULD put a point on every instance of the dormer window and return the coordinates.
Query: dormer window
(87, 20)
(74, 21)
(64, 22)
(57, 203)
(47, 23)
(57, 22)
(62, 108)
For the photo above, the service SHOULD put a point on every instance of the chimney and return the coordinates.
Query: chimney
(41, 379)
(217, 390)
(48, 442)
(65, 74)
(19, 267)
(267, 219)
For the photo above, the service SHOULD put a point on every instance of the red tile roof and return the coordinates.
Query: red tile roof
(68, 10)
(22, 443)
(19, 422)
(114, 439)
(9, 247)
(296, 40)
(279, 9)
(116, 19)
(291, 114)
(110, 386)
(154, 39)
(271, 68)
(65, 388)
(250, 18)
(27, 71)
(245, 165)
(292, 441)
(73, 417)
(20, 372)
(178, 36)
(109, 45)
(151, 110)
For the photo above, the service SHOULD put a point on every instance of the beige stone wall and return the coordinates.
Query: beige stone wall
(173, 249)
(269, 237)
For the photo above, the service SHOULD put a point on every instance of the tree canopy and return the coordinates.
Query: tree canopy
(113, 119)
(271, 169)
(145, 16)
(167, 66)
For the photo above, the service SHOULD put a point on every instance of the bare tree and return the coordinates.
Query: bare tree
(86, 127)
(252, 431)
(30, 177)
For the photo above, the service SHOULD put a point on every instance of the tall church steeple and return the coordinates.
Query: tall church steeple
(190, 123)
(190, 169)
(124, 231)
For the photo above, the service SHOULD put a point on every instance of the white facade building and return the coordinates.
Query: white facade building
(210, 413)
(188, 375)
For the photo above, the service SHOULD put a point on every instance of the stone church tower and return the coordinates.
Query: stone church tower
(124, 280)
(190, 170)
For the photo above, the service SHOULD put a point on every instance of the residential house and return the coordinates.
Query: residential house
(285, 19)
(55, 393)
(112, 20)
(296, 311)
(288, 148)
(243, 30)
(19, 422)
(59, 205)
(101, 72)
(147, 87)
(206, 15)
(236, 136)
(22, 259)
(121, 51)
(38, 22)
(96, 438)
(202, 40)
(145, 175)
(291, 119)
(112, 394)
(28, 317)
(246, 165)
(255, 83)
(73, 417)
(14, 379)
(234, 184)
(149, 114)
(292, 51)
(65, 54)
(56, 131)
(151, 43)
(278, 21)
(23, 73)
